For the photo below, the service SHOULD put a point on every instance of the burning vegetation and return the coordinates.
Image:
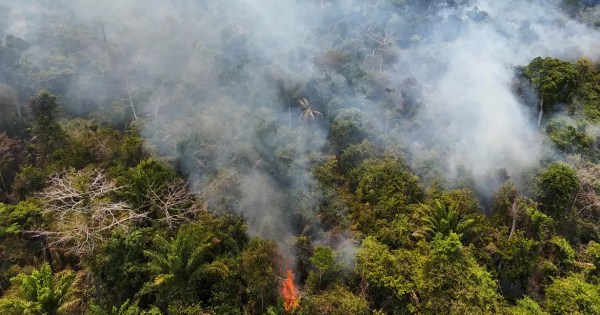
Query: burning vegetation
(289, 292)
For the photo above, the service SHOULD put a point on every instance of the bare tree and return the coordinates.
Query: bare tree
(128, 101)
(308, 113)
(174, 202)
(514, 211)
(384, 42)
(587, 199)
(82, 211)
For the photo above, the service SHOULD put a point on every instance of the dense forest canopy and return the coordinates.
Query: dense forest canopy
(299, 157)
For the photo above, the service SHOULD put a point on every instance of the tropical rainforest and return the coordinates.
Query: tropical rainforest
(299, 157)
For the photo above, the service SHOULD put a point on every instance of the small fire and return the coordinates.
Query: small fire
(289, 292)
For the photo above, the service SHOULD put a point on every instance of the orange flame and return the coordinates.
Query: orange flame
(289, 292)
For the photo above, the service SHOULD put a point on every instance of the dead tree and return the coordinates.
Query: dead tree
(384, 41)
(82, 211)
(174, 202)
(308, 113)
(128, 101)
(586, 204)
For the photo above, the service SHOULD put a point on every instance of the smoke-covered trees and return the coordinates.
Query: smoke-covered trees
(387, 189)
(374, 149)
(553, 80)
(11, 159)
(48, 134)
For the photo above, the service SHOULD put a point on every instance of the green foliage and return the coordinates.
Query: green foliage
(572, 295)
(11, 160)
(563, 253)
(14, 219)
(453, 283)
(593, 253)
(326, 268)
(391, 274)
(50, 138)
(336, 301)
(119, 265)
(569, 138)
(91, 143)
(260, 273)
(149, 174)
(440, 219)
(526, 306)
(40, 292)
(29, 180)
(541, 226)
(346, 129)
(553, 78)
(423, 251)
(355, 154)
(587, 95)
(395, 234)
(130, 151)
(556, 188)
(127, 308)
(388, 186)
(178, 265)
(517, 257)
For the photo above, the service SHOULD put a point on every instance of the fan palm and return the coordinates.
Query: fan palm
(41, 292)
(308, 113)
(442, 219)
(176, 264)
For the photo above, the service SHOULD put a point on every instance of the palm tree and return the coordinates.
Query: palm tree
(178, 263)
(41, 292)
(308, 113)
(442, 219)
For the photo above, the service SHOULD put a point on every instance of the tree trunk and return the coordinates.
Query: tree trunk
(514, 209)
(47, 254)
(104, 33)
(539, 122)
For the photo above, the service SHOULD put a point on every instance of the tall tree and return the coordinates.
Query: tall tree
(180, 265)
(48, 134)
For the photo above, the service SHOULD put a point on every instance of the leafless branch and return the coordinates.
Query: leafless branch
(308, 114)
(174, 202)
(587, 199)
(82, 212)
(128, 100)
(384, 39)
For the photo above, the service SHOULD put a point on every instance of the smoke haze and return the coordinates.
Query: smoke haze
(217, 84)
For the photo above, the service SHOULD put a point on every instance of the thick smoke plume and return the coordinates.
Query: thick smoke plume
(217, 85)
